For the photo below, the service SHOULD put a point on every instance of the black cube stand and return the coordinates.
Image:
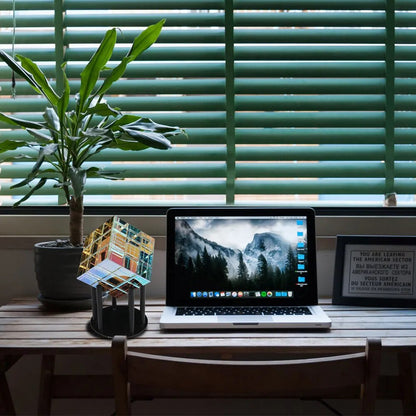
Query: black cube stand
(117, 319)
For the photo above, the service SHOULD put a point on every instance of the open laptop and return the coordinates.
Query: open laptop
(241, 268)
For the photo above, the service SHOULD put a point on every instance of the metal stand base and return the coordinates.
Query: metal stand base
(115, 321)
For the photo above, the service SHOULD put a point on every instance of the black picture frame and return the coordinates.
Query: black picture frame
(375, 271)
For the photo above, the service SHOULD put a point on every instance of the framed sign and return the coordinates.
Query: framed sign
(375, 271)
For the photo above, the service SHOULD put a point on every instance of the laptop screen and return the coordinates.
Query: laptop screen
(241, 256)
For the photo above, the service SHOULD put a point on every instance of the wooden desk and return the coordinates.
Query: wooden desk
(25, 328)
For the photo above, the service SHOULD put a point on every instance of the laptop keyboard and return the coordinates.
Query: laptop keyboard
(243, 310)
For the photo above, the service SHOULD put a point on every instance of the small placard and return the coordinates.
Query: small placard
(375, 271)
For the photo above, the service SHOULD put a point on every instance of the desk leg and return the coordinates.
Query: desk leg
(6, 401)
(406, 383)
(45, 388)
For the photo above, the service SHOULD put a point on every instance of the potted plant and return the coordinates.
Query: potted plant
(71, 135)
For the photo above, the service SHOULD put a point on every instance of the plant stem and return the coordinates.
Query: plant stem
(76, 210)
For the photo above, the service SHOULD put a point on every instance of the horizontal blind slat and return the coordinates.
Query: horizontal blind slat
(144, 170)
(321, 186)
(191, 35)
(243, 103)
(214, 35)
(29, 37)
(143, 20)
(7, 5)
(306, 170)
(188, 119)
(312, 153)
(177, 154)
(313, 4)
(304, 135)
(137, 86)
(333, 102)
(158, 54)
(145, 4)
(308, 19)
(243, 86)
(315, 53)
(244, 69)
(27, 21)
(238, 4)
(282, 35)
(311, 119)
(135, 187)
(311, 85)
(337, 169)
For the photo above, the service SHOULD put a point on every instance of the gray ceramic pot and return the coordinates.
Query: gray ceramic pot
(56, 268)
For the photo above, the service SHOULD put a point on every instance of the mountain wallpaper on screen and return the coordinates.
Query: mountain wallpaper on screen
(267, 261)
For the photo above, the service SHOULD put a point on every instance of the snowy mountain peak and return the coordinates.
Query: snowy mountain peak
(270, 245)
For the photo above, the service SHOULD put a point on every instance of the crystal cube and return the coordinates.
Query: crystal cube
(117, 256)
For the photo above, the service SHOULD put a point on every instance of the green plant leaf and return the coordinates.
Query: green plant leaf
(146, 124)
(51, 171)
(16, 158)
(125, 144)
(78, 178)
(61, 185)
(18, 69)
(98, 133)
(142, 42)
(102, 109)
(40, 137)
(91, 72)
(146, 39)
(123, 120)
(92, 150)
(40, 79)
(49, 149)
(8, 145)
(150, 139)
(52, 121)
(39, 185)
(43, 152)
(95, 172)
(92, 171)
(21, 123)
(63, 101)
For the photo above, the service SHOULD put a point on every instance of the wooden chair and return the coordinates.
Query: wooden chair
(152, 376)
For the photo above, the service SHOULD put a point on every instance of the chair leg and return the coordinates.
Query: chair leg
(6, 400)
(369, 392)
(6, 404)
(406, 383)
(121, 386)
(45, 388)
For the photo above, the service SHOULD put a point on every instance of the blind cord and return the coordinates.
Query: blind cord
(13, 52)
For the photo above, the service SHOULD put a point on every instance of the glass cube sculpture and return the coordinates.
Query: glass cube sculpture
(117, 256)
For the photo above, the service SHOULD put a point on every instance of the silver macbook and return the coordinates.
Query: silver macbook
(241, 268)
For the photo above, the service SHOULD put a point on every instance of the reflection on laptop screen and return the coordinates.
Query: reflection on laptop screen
(241, 257)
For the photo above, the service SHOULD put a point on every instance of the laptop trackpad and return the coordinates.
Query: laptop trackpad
(247, 319)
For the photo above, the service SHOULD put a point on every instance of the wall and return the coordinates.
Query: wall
(18, 233)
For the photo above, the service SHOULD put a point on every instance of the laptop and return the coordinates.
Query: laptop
(241, 268)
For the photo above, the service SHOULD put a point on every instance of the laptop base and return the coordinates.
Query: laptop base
(317, 320)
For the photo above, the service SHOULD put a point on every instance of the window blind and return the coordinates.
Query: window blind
(300, 100)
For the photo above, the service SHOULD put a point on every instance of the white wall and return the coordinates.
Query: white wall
(18, 233)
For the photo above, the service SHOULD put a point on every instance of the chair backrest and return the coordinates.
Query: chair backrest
(161, 376)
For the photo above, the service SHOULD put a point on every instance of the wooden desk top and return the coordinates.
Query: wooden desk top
(25, 327)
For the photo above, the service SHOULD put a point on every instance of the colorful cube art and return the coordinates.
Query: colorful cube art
(117, 256)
